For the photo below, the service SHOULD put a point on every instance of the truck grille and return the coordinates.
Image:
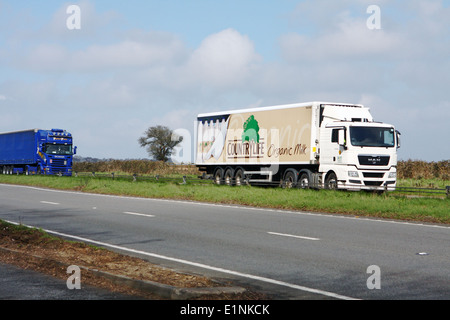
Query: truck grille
(374, 160)
(373, 174)
(373, 183)
(58, 163)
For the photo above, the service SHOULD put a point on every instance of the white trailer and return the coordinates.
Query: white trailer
(314, 144)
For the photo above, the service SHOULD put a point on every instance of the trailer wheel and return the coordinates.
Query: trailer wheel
(218, 175)
(239, 177)
(331, 181)
(228, 177)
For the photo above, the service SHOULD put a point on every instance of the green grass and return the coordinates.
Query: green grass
(390, 205)
(424, 183)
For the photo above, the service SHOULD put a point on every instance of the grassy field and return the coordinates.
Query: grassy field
(389, 206)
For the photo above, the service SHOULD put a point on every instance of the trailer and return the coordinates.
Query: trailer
(313, 144)
(37, 151)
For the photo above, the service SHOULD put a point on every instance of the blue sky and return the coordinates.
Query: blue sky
(134, 64)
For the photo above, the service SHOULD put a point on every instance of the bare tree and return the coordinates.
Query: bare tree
(159, 141)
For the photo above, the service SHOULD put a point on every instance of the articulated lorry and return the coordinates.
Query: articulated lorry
(314, 144)
(37, 151)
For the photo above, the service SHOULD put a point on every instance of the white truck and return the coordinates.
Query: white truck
(308, 145)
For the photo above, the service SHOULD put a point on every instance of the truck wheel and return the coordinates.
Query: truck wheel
(304, 182)
(218, 175)
(289, 180)
(228, 177)
(239, 177)
(331, 181)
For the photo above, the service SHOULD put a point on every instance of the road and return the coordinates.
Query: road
(294, 255)
(20, 284)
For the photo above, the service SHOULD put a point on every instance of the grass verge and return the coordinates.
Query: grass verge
(389, 206)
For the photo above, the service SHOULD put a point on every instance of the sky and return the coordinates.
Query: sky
(112, 69)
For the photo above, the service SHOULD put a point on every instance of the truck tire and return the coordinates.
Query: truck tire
(331, 181)
(218, 176)
(239, 177)
(289, 180)
(228, 177)
(304, 181)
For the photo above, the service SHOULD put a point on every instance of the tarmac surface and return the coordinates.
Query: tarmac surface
(20, 284)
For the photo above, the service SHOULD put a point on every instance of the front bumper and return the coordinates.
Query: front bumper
(370, 180)
(58, 171)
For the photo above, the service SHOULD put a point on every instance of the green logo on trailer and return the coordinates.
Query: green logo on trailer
(251, 130)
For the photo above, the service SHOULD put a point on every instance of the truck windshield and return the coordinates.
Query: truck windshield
(372, 137)
(58, 149)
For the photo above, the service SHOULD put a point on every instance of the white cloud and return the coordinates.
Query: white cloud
(157, 49)
(223, 59)
(350, 39)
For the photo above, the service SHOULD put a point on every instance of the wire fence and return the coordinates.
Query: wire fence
(186, 179)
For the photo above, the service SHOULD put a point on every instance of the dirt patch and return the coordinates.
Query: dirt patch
(36, 250)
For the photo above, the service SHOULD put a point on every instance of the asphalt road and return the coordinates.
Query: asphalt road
(20, 284)
(294, 255)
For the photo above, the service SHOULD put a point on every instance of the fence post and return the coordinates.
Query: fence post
(134, 177)
(112, 174)
(93, 173)
(448, 191)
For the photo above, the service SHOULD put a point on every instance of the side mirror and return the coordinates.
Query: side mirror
(398, 138)
(74, 150)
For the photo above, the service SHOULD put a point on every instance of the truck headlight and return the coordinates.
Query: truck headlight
(392, 175)
(353, 174)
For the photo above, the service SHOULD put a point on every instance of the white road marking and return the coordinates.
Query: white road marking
(292, 236)
(48, 202)
(204, 266)
(139, 214)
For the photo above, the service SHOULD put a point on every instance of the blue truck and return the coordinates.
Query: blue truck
(37, 151)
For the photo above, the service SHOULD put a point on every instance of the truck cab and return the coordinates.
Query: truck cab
(356, 152)
(56, 152)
